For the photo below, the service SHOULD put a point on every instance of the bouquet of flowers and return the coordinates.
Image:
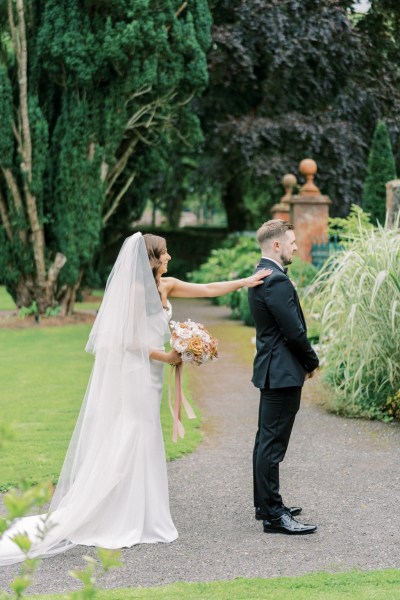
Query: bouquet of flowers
(193, 342)
(196, 346)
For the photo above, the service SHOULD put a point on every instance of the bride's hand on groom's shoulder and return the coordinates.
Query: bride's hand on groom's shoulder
(257, 278)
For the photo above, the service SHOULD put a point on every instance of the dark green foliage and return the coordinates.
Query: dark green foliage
(295, 79)
(15, 259)
(6, 116)
(381, 169)
(40, 142)
(259, 199)
(171, 168)
(109, 85)
(78, 192)
(381, 25)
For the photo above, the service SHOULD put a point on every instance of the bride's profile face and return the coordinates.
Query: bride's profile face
(164, 258)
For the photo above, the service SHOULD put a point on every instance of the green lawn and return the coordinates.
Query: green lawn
(373, 585)
(43, 377)
(94, 305)
(6, 302)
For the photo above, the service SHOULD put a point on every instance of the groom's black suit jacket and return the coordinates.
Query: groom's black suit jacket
(284, 353)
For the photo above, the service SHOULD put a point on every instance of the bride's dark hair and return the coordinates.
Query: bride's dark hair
(155, 246)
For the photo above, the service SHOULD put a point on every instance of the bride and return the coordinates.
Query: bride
(113, 488)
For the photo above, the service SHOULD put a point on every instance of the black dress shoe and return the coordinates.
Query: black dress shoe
(293, 510)
(287, 524)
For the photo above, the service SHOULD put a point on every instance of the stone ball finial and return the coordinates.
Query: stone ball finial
(288, 181)
(308, 168)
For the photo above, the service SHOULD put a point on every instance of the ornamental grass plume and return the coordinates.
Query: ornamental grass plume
(359, 292)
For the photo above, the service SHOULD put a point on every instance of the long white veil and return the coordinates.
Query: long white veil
(85, 502)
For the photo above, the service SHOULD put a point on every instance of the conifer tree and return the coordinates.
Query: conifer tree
(85, 89)
(381, 169)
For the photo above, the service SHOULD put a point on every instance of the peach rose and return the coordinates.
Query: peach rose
(196, 346)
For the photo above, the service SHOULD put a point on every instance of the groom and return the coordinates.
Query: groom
(284, 360)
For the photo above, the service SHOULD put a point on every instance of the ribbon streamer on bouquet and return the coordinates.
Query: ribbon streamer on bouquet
(180, 398)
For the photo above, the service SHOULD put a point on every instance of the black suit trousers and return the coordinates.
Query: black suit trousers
(277, 412)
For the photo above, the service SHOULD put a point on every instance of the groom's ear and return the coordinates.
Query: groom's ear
(276, 245)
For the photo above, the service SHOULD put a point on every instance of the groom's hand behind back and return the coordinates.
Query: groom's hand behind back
(308, 375)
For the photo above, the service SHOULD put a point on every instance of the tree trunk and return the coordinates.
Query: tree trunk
(24, 293)
(68, 298)
(233, 201)
(174, 206)
(39, 287)
(25, 149)
(153, 212)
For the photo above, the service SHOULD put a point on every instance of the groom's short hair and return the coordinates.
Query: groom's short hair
(275, 228)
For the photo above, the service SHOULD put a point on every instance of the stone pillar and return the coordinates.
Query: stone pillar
(309, 212)
(392, 202)
(282, 210)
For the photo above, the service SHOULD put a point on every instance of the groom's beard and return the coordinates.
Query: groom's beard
(286, 260)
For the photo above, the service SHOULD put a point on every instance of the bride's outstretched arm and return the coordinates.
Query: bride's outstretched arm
(182, 289)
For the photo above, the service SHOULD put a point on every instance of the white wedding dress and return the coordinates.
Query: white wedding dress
(113, 488)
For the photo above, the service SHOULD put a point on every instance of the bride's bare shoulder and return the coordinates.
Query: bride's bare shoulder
(167, 284)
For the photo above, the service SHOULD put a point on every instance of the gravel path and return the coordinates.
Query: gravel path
(345, 474)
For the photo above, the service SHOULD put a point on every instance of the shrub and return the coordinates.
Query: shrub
(392, 407)
(359, 290)
(345, 228)
(27, 311)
